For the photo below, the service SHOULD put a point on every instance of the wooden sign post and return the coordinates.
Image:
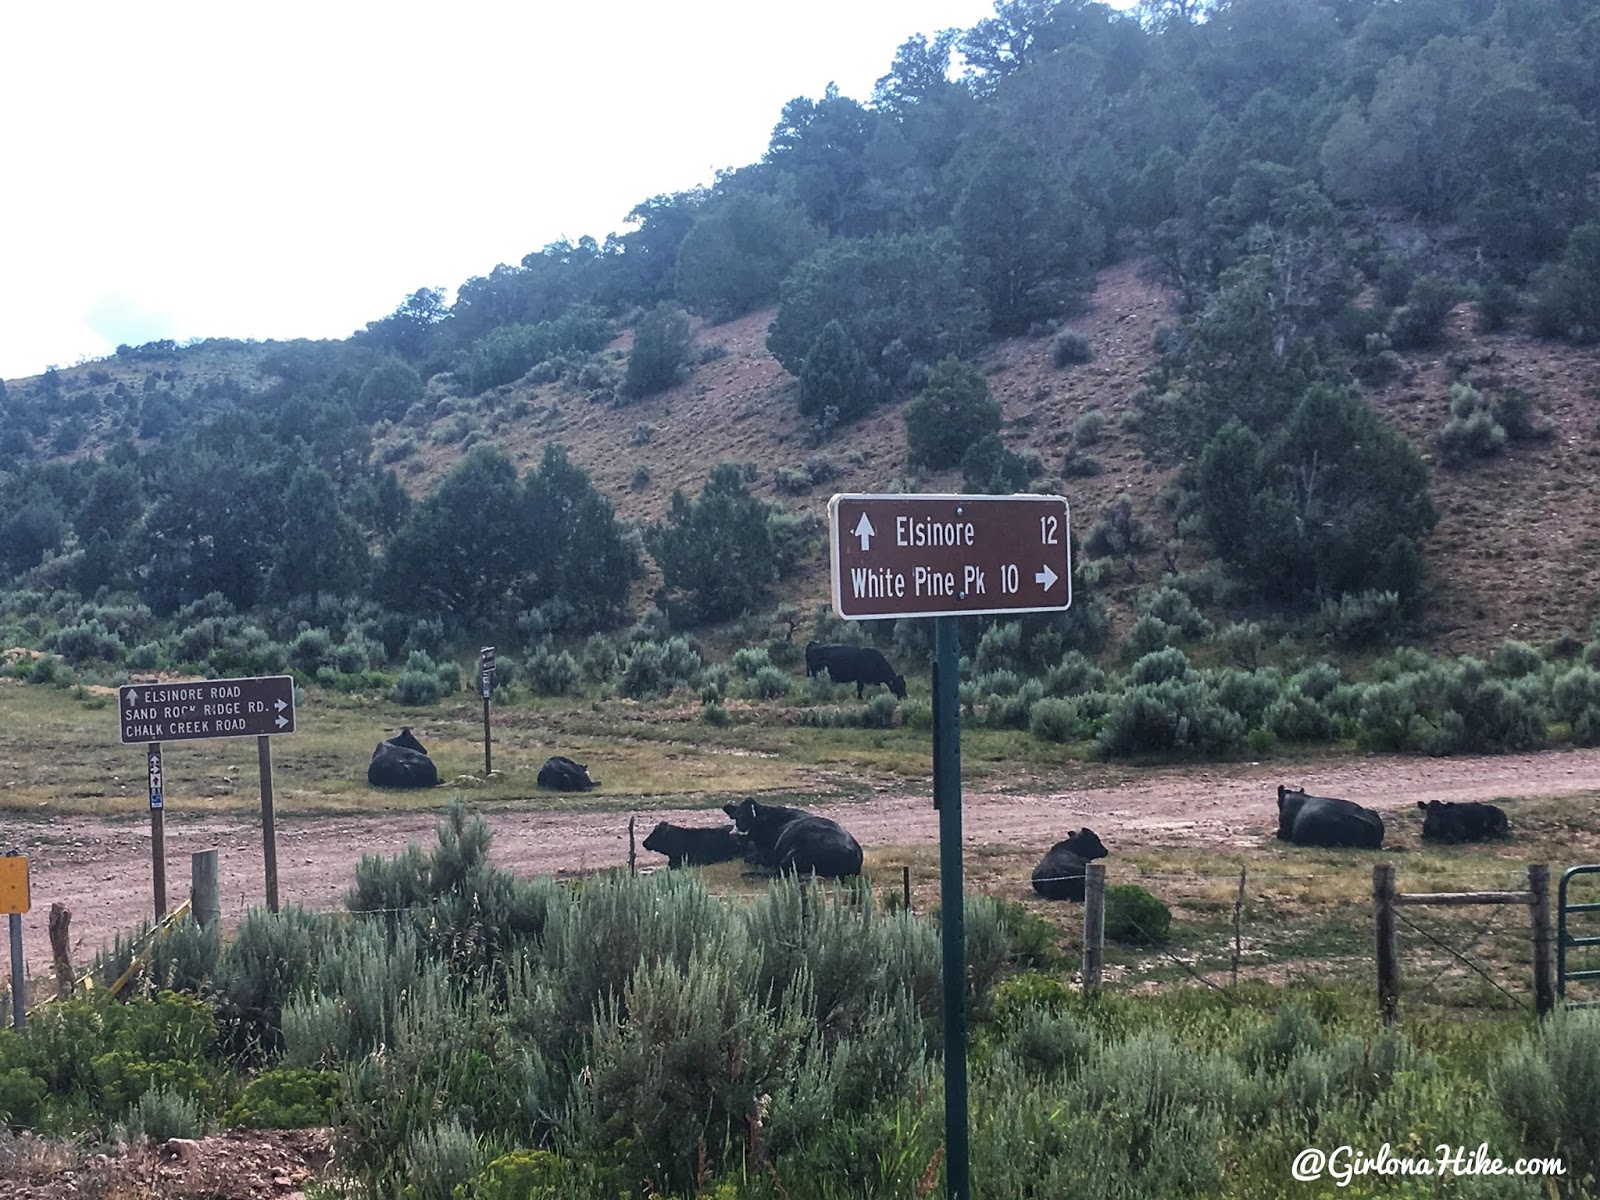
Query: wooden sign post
(198, 710)
(16, 899)
(485, 686)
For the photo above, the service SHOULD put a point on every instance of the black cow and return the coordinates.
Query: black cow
(859, 665)
(402, 762)
(561, 774)
(1326, 821)
(1470, 821)
(686, 846)
(790, 839)
(1059, 875)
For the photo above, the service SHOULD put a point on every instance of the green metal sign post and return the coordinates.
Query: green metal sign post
(946, 556)
(952, 902)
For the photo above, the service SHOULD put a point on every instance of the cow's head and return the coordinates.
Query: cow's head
(742, 814)
(659, 836)
(406, 739)
(1289, 804)
(1085, 844)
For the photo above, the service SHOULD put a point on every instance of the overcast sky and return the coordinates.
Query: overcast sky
(296, 169)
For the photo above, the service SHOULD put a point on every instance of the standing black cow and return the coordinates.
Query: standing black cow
(859, 665)
(791, 839)
(1059, 875)
(1470, 821)
(686, 846)
(561, 774)
(402, 762)
(1326, 821)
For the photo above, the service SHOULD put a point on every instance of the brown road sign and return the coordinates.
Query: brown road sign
(206, 708)
(935, 555)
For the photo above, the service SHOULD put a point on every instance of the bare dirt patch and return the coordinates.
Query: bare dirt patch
(239, 1165)
(101, 869)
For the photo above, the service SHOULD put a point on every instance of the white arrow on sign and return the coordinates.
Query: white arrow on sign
(864, 531)
(282, 721)
(1046, 576)
(133, 699)
(280, 706)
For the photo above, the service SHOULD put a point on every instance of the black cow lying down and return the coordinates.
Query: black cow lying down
(687, 846)
(561, 774)
(1326, 821)
(402, 762)
(790, 839)
(1470, 821)
(859, 665)
(1059, 875)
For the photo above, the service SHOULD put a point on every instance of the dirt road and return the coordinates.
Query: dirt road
(101, 869)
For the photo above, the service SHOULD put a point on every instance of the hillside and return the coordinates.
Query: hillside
(1516, 553)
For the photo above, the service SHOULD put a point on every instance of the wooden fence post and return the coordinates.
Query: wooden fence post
(1544, 990)
(1238, 909)
(61, 949)
(1094, 926)
(1388, 961)
(205, 895)
(905, 886)
(633, 865)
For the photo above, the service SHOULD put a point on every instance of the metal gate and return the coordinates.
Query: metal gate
(1565, 939)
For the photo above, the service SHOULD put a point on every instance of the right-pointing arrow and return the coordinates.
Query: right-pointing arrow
(282, 721)
(1046, 577)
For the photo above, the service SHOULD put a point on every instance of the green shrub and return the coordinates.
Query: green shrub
(953, 413)
(1296, 717)
(1031, 940)
(656, 668)
(22, 1095)
(1576, 700)
(1120, 533)
(1357, 621)
(877, 713)
(1548, 1087)
(311, 648)
(161, 1115)
(1074, 675)
(1159, 666)
(1248, 693)
(525, 1175)
(768, 683)
(1149, 635)
(1566, 294)
(1514, 411)
(660, 351)
(89, 641)
(418, 689)
(1173, 716)
(285, 1098)
(1420, 320)
(1472, 431)
(1078, 465)
(1087, 429)
(1069, 348)
(552, 673)
(1055, 720)
(1177, 610)
(1135, 917)
(1293, 1031)
(442, 1157)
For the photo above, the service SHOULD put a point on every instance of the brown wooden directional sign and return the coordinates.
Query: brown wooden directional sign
(936, 556)
(206, 708)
